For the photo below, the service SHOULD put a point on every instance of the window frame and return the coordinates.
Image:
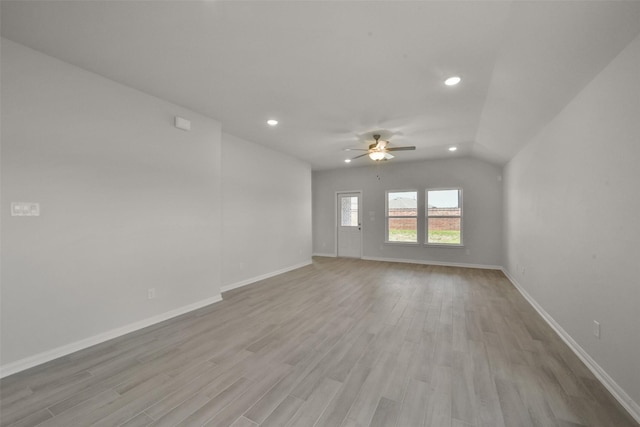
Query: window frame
(416, 216)
(358, 222)
(427, 216)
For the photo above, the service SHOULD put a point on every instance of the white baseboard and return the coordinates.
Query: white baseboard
(445, 264)
(323, 254)
(263, 276)
(38, 359)
(618, 392)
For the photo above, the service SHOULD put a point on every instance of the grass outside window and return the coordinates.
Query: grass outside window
(398, 235)
(444, 237)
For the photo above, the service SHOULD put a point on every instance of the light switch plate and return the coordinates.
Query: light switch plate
(596, 329)
(182, 123)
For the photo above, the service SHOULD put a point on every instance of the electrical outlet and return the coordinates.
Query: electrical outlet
(151, 293)
(596, 329)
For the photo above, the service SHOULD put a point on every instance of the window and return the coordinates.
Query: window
(444, 217)
(402, 216)
(349, 217)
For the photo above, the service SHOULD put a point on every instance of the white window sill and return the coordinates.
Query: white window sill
(426, 245)
(402, 243)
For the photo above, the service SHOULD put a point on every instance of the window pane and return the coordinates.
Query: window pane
(443, 203)
(349, 211)
(444, 230)
(403, 230)
(403, 204)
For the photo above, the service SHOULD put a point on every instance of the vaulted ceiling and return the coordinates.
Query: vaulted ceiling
(333, 72)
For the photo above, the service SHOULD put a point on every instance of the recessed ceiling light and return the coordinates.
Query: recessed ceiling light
(272, 122)
(452, 81)
(453, 148)
(347, 160)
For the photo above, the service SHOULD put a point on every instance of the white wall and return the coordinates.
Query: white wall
(128, 202)
(571, 220)
(266, 212)
(482, 205)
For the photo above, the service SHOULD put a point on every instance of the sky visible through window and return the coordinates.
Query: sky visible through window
(437, 198)
(443, 198)
(408, 195)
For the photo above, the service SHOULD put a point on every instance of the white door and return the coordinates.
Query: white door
(349, 225)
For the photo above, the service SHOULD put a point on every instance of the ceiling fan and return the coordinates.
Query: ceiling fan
(379, 150)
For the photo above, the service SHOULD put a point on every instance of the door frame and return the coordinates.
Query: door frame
(336, 219)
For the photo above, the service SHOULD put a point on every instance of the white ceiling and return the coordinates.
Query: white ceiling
(334, 71)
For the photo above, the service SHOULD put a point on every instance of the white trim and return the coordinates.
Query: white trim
(386, 218)
(618, 392)
(360, 218)
(425, 262)
(426, 218)
(263, 276)
(400, 243)
(46, 356)
(323, 254)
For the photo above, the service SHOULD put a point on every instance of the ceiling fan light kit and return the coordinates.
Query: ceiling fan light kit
(376, 155)
(379, 150)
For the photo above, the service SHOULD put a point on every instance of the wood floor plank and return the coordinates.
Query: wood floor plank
(487, 403)
(438, 403)
(533, 398)
(82, 410)
(513, 408)
(399, 371)
(239, 406)
(315, 405)
(368, 398)
(413, 410)
(337, 410)
(34, 419)
(463, 402)
(243, 422)
(181, 411)
(283, 413)
(180, 394)
(272, 398)
(386, 413)
(339, 342)
(217, 403)
(131, 403)
(140, 420)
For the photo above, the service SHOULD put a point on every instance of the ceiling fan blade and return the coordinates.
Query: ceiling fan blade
(356, 149)
(361, 155)
(400, 148)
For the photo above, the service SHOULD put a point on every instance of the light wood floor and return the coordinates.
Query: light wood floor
(338, 343)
